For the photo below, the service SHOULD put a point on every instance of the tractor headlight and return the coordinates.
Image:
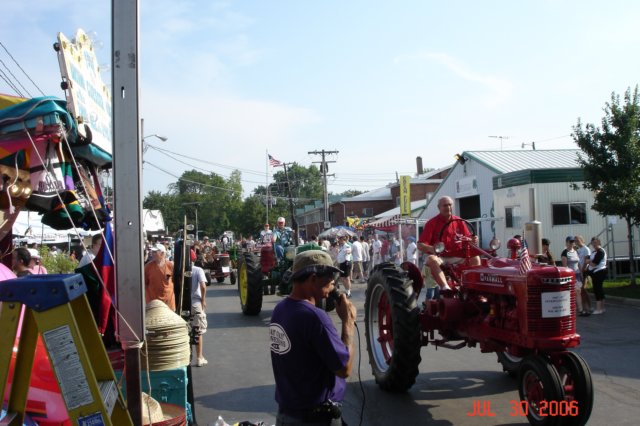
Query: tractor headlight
(439, 247)
(494, 244)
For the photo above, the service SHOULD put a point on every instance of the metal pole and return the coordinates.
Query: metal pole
(127, 184)
(294, 222)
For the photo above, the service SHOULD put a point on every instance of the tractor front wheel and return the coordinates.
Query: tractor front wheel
(250, 284)
(540, 389)
(575, 378)
(510, 363)
(232, 277)
(392, 329)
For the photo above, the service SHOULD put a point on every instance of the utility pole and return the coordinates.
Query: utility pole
(324, 168)
(294, 222)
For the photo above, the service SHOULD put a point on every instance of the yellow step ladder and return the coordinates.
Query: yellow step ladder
(58, 310)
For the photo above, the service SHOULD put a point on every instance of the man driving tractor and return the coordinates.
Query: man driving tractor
(282, 237)
(451, 232)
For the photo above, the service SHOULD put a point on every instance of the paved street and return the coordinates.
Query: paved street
(238, 383)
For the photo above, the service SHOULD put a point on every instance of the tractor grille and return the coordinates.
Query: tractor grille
(555, 326)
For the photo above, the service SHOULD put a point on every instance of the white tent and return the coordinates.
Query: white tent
(29, 228)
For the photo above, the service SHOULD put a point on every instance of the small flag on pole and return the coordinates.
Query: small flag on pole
(273, 162)
(525, 261)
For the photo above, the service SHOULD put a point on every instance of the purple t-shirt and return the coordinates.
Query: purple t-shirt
(306, 351)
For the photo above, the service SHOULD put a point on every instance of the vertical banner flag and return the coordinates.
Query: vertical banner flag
(405, 195)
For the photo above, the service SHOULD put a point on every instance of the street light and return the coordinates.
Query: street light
(145, 146)
(162, 138)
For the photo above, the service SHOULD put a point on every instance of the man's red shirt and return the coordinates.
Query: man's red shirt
(431, 233)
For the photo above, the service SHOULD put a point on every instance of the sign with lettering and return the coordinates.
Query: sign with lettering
(405, 195)
(88, 98)
(555, 304)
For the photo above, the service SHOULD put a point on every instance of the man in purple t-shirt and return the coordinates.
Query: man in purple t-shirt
(310, 359)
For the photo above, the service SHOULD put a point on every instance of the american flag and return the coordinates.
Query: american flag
(273, 162)
(525, 261)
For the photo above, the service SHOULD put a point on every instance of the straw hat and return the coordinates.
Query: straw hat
(151, 410)
(167, 338)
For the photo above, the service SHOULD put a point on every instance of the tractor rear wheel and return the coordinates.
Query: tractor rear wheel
(250, 284)
(539, 385)
(392, 329)
(575, 378)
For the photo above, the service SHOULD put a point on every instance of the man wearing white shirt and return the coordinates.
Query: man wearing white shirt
(344, 263)
(412, 251)
(366, 257)
(377, 247)
(356, 254)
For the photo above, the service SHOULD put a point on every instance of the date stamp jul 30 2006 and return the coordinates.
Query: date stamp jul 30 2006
(482, 408)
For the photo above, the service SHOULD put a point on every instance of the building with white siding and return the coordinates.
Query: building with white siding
(503, 190)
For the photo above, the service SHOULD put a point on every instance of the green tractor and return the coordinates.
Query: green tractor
(260, 275)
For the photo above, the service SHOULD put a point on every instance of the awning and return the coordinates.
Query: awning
(383, 222)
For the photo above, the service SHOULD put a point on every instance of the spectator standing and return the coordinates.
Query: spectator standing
(158, 278)
(310, 359)
(357, 256)
(199, 309)
(376, 246)
(598, 271)
(384, 249)
(581, 279)
(366, 257)
(251, 244)
(35, 266)
(570, 259)
(412, 250)
(344, 262)
(21, 259)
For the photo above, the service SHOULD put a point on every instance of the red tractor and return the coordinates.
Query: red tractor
(525, 315)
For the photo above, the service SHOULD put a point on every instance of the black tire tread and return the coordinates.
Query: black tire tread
(253, 305)
(403, 368)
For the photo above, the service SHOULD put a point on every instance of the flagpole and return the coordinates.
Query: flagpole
(267, 185)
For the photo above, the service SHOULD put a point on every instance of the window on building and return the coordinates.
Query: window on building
(367, 212)
(569, 213)
(512, 217)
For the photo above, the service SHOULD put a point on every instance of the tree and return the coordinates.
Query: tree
(611, 163)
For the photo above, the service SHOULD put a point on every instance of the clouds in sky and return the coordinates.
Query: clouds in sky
(383, 83)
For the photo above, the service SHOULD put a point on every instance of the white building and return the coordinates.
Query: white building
(503, 190)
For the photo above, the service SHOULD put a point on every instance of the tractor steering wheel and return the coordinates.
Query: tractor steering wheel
(446, 225)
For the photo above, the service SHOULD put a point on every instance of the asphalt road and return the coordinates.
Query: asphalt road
(238, 384)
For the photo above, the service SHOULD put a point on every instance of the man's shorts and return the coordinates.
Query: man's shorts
(345, 269)
(198, 318)
(450, 260)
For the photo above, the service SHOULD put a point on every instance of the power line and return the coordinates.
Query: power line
(21, 69)
(15, 78)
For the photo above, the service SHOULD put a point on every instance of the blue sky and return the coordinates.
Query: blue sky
(381, 82)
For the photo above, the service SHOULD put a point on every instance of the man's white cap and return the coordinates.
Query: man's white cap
(159, 247)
